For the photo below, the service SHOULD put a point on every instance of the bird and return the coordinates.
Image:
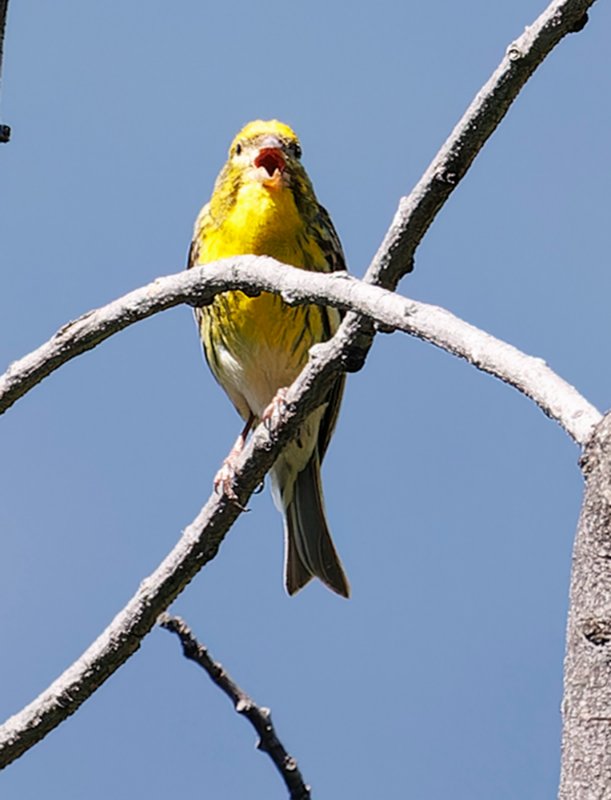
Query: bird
(263, 203)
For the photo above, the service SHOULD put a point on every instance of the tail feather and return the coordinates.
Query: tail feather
(310, 552)
(296, 575)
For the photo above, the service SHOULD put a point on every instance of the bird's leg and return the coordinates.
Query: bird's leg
(223, 480)
(276, 410)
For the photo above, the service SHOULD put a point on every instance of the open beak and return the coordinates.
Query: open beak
(270, 163)
(271, 159)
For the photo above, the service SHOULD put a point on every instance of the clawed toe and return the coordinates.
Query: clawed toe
(223, 480)
(276, 410)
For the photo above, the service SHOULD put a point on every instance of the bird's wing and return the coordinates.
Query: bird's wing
(329, 243)
(199, 234)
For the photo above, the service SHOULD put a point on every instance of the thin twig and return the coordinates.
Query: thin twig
(346, 350)
(260, 718)
(5, 131)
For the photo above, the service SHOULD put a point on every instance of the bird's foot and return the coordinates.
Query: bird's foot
(224, 478)
(276, 410)
(223, 481)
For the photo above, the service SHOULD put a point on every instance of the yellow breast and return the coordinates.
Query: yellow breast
(255, 345)
(262, 222)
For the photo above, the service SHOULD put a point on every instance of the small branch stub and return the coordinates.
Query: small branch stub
(580, 24)
(259, 717)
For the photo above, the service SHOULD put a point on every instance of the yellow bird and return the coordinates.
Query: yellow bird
(263, 204)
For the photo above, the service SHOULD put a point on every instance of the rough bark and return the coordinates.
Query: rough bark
(586, 742)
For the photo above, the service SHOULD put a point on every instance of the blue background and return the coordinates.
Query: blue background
(453, 500)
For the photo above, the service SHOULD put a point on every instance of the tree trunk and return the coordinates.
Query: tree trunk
(586, 707)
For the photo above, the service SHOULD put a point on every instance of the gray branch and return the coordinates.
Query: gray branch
(260, 718)
(416, 212)
(346, 351)
(557, 399)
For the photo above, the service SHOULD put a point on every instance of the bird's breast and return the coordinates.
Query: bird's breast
(261, 345)
(256, 345)
(261, 221)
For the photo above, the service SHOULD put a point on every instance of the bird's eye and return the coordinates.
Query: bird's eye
(296, 148)
(238, 149)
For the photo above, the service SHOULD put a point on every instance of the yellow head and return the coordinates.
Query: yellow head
(260, 129)
(267, 151)
(267, 154)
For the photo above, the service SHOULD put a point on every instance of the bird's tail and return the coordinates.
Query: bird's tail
(310, 552)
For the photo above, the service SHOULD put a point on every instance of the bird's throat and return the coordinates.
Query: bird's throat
(264, 221)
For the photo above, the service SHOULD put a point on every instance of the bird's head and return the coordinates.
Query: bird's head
(266, 156)
(267, 152)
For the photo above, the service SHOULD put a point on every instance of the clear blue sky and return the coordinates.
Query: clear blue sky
(452, 499)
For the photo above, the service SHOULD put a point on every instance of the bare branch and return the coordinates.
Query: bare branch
(5, 131)
(528, 374)
(346, 351)
(259, 718)
(557, 399)
(416, 212)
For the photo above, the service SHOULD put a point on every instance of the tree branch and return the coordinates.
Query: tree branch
(5, 131)
(346, 351)
(556, 398)
(416, 212)
(259, 718)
